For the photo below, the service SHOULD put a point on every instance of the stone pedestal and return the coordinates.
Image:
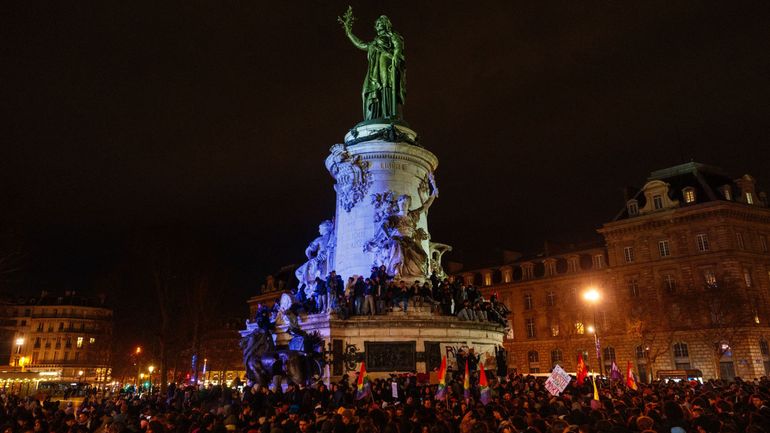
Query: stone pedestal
(377, 158)
(397, 342)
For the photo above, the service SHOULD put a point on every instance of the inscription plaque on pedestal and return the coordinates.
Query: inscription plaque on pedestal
(400, 356)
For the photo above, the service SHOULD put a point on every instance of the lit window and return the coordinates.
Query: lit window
(657, 202)
(710, 278)
(488, 279)
(580, 328)
(79, 343)
(92, 340)
(689, 195)
(555, 330)
(749, 198)
(530, 328)
(527, 301)
(628, 253)
(663, 248)
(739, 240)
(703, 242)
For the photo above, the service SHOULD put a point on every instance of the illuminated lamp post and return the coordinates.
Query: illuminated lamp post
(137, 352)
(592, 296)
(151, 369)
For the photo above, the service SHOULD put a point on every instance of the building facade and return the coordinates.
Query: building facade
(67, 337)
(683, 282)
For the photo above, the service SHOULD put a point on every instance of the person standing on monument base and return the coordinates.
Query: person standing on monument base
(369, 306)
(335, 286)
(358, 295)
(320, 295)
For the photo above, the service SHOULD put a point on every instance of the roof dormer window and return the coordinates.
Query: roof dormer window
(689, 194)
(633, 207)
(657, 202)
(749, 197)
(727, 193)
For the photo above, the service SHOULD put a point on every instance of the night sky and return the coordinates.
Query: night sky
(217, 116)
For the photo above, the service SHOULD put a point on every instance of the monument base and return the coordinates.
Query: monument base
(399, 342)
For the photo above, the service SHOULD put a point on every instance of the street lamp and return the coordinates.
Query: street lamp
(137, 353)
(592, 296)
(151, 369)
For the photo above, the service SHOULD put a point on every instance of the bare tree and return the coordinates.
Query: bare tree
(716, 315)
(648, 323)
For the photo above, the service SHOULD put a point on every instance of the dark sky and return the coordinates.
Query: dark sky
(217, 116)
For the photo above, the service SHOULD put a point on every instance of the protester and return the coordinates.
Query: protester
(399, 404)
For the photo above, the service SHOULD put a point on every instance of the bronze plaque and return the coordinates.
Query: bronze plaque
(399, 356)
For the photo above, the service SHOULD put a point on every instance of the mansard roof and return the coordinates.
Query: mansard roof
(708, 183)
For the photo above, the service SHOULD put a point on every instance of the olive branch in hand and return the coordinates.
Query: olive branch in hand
(347, 18)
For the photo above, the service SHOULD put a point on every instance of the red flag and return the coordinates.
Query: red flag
(363, 388)
(582, 370)
(483, 385)
(630, 381)
(441, 391)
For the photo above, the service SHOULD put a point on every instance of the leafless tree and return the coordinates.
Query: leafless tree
(716, 314)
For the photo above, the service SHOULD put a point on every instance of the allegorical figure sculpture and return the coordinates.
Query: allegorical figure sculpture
(397, 241)
(384, 90)
(317, 253)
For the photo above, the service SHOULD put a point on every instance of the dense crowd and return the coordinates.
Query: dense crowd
(380, 293)
(518, 404)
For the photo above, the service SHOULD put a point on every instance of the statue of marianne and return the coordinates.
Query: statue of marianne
(384, 91)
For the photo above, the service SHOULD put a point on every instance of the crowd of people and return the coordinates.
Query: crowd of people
(517, 404)
(380, 293)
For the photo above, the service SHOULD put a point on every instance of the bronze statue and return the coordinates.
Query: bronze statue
(384, 90)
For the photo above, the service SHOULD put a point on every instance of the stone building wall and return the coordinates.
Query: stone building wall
(647, 295)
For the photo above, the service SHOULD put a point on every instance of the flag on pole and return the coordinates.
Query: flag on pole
(596, 391)
(483, 385)
(582, 371)
(630, 381)
(615, 373)
(598, 348)
(363, 388)
(467, 382)
(441, 391)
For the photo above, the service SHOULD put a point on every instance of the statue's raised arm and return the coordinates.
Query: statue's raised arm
(429, 201)
(347, 20)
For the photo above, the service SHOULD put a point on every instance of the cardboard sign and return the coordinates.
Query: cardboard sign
(557, 381)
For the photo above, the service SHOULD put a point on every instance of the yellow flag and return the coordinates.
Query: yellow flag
(596, 392)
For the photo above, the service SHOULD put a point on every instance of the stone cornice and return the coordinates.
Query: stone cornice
(725, 210)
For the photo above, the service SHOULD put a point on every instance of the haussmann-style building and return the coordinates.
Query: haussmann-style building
(67, 338)
(680, 282)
